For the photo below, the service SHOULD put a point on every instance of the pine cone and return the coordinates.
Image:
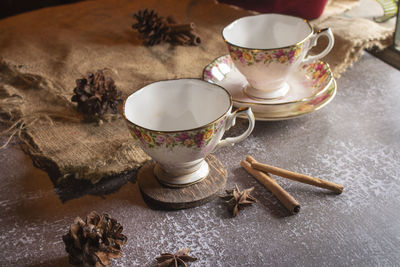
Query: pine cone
(96, 94)
(152, 28)
(94, 242)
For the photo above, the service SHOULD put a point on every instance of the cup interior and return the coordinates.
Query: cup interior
(266, 31)
(176, 105)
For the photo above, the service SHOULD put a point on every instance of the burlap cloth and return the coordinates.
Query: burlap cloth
(45, 51)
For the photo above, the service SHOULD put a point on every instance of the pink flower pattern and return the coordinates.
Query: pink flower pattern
(197, 138)
(283, 56)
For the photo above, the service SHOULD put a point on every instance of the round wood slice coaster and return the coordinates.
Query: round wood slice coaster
(158, 196)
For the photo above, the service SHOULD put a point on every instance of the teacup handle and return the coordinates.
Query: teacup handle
(313, 42)
(230, 121)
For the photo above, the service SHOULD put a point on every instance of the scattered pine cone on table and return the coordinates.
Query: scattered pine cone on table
(96, 95)
(94, 242)
(154, 29)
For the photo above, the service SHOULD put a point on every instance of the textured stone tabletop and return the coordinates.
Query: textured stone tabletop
(353, 141)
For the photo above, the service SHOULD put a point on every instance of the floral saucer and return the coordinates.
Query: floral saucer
(312, 86)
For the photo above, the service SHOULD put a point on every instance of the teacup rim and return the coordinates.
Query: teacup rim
(269, 49)
(185, 130)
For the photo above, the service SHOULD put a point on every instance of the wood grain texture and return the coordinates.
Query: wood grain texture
(158, 196)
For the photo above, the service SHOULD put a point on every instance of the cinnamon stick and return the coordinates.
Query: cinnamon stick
(178, 28)
(286, 199)
(338, 188)
(184, 37)
(195, 39)
(181, 39)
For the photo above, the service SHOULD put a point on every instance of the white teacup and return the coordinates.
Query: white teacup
(267, 48)
(179, 122)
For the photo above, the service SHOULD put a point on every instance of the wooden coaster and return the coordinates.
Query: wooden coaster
(159, 196)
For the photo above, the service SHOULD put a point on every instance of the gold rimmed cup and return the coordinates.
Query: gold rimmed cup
(179, 122)
(267, 48)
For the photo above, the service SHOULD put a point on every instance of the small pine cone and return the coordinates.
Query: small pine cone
(152, 28)
(96, 95)
(94, 242)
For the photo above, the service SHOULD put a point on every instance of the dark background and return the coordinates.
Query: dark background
(13, 7)
(308, 9)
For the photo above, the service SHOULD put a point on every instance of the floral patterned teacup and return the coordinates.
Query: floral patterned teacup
(179, 122)
(267, 48)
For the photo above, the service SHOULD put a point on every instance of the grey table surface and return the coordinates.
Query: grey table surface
(353, 141)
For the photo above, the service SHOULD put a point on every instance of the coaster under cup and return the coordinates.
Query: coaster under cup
(160, 196)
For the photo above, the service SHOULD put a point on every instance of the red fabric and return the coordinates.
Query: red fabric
(307, 9)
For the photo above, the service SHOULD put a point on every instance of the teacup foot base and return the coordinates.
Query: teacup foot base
(159, 196)
(261, 95)
(182, 180)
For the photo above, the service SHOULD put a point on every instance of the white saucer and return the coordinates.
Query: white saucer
(312, 86)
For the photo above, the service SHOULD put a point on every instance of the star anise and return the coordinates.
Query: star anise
(178, 259)
(238, 199)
